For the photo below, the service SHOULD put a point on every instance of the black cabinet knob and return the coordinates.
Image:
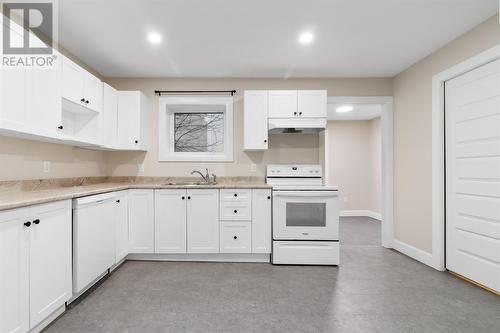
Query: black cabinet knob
(235, 211)
(235, 237)
(265, 141)
(27, 223)
(236, 194)
(87, 102)
(189, 198)
(300, 113)
(60, 127)
(82, 100)
(37, 221)
(295, 113)
(183, 198)
(118, 201)
(269, 197)
(136, 141)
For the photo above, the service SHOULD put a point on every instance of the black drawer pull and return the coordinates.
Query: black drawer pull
(269, 197)
(235, 211)
(27, 223)
(118, 201)
(236, 194)
(235, 237)
(37, 221)
(189, 198)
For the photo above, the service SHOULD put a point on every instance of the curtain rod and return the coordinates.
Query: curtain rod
(160, 92)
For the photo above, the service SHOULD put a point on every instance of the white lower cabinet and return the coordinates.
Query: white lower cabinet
(170, 221)
(141, 221)
(35, 274)
(121, 225)
(235, 237)
(261, 220)
(202, 221)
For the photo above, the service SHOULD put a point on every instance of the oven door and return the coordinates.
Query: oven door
(305, 215)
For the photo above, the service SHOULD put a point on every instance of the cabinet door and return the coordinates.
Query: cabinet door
(14, 93)
(235, 237)
(44, 111)
(14, 270)
(50, 259)
(72, 81)
(282, 103)
(261, 221)
(121, 226)
(109, 116)
(141, 221)
(203, 221)
(312, 103)
(92, 91)
(129, 122)
(170, 221)
(255, 120)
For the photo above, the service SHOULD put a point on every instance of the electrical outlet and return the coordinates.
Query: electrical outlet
(140, 167)
(253, 167)
(346, 199)
(46, 166)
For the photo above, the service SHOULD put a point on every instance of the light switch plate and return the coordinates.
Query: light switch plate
(253, 167)
(140, 167)
(346, 199)
(46, 166)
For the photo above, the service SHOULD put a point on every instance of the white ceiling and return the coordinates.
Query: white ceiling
(258, 38)
(359, 112)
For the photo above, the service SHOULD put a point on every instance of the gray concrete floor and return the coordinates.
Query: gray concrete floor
(373, 290)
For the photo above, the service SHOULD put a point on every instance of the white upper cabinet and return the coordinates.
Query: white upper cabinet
(255, 120)
(109, 116)
(141, 221)
(131, 123)
(297, 104)
(312, 103)
(282, 103)
(170, 221)
(14, 271)
(203, 221)
(44, 108)
(82, 89)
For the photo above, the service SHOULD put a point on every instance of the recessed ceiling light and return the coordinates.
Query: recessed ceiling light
(344, 108)
(154, 38)
(306, 38)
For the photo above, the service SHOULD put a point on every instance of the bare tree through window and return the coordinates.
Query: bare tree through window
(199, 132)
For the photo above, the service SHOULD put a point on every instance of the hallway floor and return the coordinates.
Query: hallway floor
(373, 290)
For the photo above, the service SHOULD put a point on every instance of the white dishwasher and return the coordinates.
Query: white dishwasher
(93, 238)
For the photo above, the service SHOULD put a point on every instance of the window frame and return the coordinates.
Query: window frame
(166, 151)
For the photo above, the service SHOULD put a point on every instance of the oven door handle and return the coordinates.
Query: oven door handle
(306, 194)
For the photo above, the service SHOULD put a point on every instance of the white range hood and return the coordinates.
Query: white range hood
(300, 125)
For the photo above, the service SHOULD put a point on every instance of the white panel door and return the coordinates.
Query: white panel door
(14, 97)
(141, 221)
(312, 103)
(170, 221)
(203, 221)
(14, 271)
(92, 91)
(473, 175)
(109, 115)
(283, 104)
(50, 259)
(129, 120)
(72, 82)
(255, 120)
(121, 225)
(261, 221)
(44, 108)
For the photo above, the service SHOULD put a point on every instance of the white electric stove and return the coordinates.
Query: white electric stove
(305, 216)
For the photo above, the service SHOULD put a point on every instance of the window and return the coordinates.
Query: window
(198, 128)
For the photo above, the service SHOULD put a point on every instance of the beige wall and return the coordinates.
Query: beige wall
(283, 148)
(355, 163)
(412, 132)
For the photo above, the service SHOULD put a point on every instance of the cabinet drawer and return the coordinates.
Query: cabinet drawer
(236, 195)
(240, 211)
(235, 237)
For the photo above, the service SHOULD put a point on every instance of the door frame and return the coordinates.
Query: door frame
(387, 158)
(438, 148)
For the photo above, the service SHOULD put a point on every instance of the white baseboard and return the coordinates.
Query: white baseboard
(209, 257)
(47, 321)
(415, 253)
(367, 213)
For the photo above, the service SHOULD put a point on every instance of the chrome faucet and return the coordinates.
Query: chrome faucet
(206, 178)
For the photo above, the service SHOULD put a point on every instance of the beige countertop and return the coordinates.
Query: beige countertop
(17, 198)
